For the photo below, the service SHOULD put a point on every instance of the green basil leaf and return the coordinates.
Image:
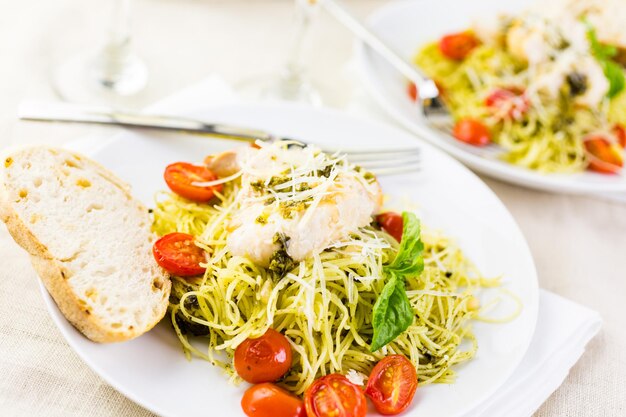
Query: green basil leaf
(392, 315)
(408, 260)
(615, 75)
(603, 53)
(599, 50)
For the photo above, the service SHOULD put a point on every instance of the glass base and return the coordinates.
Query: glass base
(273, 87)
(96, 80)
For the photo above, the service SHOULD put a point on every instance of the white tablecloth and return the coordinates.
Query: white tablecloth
(579, 243)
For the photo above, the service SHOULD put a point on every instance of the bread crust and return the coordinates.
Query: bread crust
(54, 273)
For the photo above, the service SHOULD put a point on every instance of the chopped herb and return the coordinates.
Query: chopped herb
(280, 261)
(325, 172)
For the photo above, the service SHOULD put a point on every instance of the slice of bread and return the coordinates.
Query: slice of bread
(89, 240)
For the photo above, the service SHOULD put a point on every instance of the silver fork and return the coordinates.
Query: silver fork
(431, 105)
(378, 161)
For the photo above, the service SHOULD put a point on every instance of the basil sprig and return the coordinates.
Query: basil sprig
(604, 54)
(393, 313)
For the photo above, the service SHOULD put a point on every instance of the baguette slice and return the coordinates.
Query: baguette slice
(89, 241)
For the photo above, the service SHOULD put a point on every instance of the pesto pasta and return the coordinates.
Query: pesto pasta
(553, 94)
(323, 304)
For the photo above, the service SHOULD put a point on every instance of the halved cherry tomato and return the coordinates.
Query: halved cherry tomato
(620, 134)
(180, 177)
(178, 255)
(412, 91)
(510, 101)
(472, 132)
(604, 156)
(264, 359)
(334, 396)
(392, 384)
(269, 400)
(391, 223)
(457, 46)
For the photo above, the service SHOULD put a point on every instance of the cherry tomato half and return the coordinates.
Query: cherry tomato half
(620, 134)
(334, 396)
(269, 400)
(178, 255)
(604, 156)
(264, 359)
(472, 132)
(392, 384)
(180, 177)
(510, 101)
(412, 91)
(457, 46)
(391, 223)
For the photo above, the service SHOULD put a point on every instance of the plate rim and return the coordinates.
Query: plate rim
(494, 169)
(532, 308)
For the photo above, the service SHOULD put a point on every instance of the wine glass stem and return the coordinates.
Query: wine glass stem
(113, 58)
(293, 64)
(119, 30)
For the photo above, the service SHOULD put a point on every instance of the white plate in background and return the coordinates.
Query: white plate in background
(408, 25)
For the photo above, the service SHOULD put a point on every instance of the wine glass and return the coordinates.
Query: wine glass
(291, 82)
(111, 73)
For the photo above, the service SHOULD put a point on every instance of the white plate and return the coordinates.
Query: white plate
(406, 26)
(152, 369)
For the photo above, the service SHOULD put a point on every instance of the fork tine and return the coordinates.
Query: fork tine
(396, 170)
(381, 151)
(381, 163)
(390, 155)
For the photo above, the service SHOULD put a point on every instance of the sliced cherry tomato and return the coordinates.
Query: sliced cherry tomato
(620, 134)
(509, 102)
(334, 396)
(269, 400)
(264, 359)
(392, 384)
(457, 46)
(178, 255)
(180, 177)
(604, 156)
(472, 132)
(391, 223)
(412, 91)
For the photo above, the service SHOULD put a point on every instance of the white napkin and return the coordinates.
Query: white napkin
(563, 328)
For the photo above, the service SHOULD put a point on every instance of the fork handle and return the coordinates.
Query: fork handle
(425, 86)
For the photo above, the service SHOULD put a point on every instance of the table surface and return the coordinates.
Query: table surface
(579, 243)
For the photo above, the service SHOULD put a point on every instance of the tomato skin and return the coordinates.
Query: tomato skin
(392, 223)
(269, 400)
(412, 91)
(178, 255)
(457, 46)
(604, 156)
(180, 177)
(472, 132)
(334, 396)
(264, 359)
(620, 134)
(511, 99)
(392, 384)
